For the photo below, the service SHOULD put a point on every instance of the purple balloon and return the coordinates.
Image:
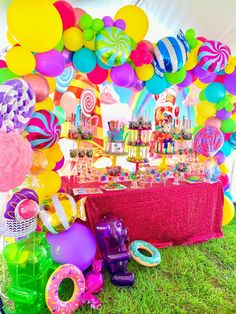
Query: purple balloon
(187, 81)
(208, 79)
(223, 114)
(199, 72)
(76, 245)
(134, 82)
(59, 164)
(50, 63)
(220, 158)
(68, 56)
(122, 75)
(108, 21)
(229, 83)
(120, 24)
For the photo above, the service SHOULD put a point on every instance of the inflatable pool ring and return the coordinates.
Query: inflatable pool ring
(149, 261)
(53, 301)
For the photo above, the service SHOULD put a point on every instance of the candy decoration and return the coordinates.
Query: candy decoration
(213, 56)
(43, 129)
(87, 101)
(113, 46)
(63, 80)
(232, 140)
(24, 194)
(170, 54)
(208, 141)
(17, 101)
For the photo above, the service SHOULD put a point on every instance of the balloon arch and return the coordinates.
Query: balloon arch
(51, 42)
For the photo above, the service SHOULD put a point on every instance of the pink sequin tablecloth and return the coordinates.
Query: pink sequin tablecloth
(162, 215)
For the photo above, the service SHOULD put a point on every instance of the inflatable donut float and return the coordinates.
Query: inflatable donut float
(54, 303)
(149, 261)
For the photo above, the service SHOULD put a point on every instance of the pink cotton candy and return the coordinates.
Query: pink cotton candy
(15, 160)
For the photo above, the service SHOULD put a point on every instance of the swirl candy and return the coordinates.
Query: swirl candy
(87, 101)
(232, 140)
(213, 56)
(63, 80)
(208, 141)
(43, 129)
(113, 46)
(17, 101)
(170, 54)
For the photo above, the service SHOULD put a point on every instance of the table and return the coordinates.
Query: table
(162, 215)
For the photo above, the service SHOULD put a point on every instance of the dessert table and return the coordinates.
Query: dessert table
(162, 214)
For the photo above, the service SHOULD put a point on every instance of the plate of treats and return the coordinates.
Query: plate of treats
(194, 179)
(113, 186)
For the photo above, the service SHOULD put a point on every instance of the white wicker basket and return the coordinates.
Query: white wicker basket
(16, 229)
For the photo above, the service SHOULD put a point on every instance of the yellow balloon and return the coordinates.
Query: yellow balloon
(228, 211)
(47, 104)
(20, 61)
(224, 168)
(36, 25)
(206, 109)
(202, 158)
(54, 153)
(136, 21)
(199, 84)
(11, 39)
(200, 120)
(51, 83)
(51, 165)
(233, 117)
(49, 183)
(145, 72)
(65, 129)
(89, 44)
(73, 38)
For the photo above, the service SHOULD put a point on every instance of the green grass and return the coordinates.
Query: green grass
(198, 279)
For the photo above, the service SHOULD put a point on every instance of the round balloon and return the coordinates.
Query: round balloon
(20, 61)
(66, 12)
(39, 85)
(213, 56)
(40, 163)
(122, 75)
(36, 25)
(48, 183)
(84, 60)
(17, 101)
(113, 46)
(50, 63)
(43, 129)
(228, 211)
(208, 141)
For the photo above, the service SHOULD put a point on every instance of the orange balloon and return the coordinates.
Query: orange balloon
(39, 164)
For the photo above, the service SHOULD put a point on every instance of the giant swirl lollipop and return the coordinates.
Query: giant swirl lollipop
(63, 80)
(88, 101)
(43, 129)
(113, 46)
(208, 141)
(17, 101)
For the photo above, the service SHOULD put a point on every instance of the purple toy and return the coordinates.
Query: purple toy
(112, 239)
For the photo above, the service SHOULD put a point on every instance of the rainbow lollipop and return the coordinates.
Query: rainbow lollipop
(113, 46)
(43, 129)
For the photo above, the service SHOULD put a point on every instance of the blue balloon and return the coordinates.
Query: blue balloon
(84, 60)
(214, 92)
(157, 85)
(226, 149)
(228, 194)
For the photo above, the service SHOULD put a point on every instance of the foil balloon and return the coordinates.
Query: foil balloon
(43, 129)
(113, 46)
(39, 85)
(26, 209)
(40, 163)
(63, 80)
(232, 140)
(208, 141)
(213, 56)
(16, 199)
(17, 101)
(170, 54)
(58, 212)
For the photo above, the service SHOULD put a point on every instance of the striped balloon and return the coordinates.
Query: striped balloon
(213, 56)
(17, 101)
(63, 80)
(43, 129)
(170, 54)
(232, 140)
(113, 46)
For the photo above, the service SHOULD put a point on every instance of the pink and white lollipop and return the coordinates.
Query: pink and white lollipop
(213, 56)
(88, 101)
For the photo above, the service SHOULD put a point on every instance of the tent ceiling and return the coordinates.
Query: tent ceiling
(213, 19)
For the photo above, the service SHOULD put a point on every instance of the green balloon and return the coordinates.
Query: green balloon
(228, 125)
(190, 33)
(6, 74)
(133, 43)
(60, 113)
(88, 34)
(177, 77)
(85, 21)
(98, 25)
(193, 43)
(196, 129)
(201, 95)
(60, 46)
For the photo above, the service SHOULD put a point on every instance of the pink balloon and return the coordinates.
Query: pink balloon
(68, 102)
(78, 13)
(59, 164)
(227, 136)
(149, 45)
(66, 12)
(98, 75)
(39, 85)
(26, 209)
(3, 64)
(213, 121)
(50, 63)
(223, 177)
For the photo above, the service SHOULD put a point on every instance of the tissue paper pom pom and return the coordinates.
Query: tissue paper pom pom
(15, 160)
